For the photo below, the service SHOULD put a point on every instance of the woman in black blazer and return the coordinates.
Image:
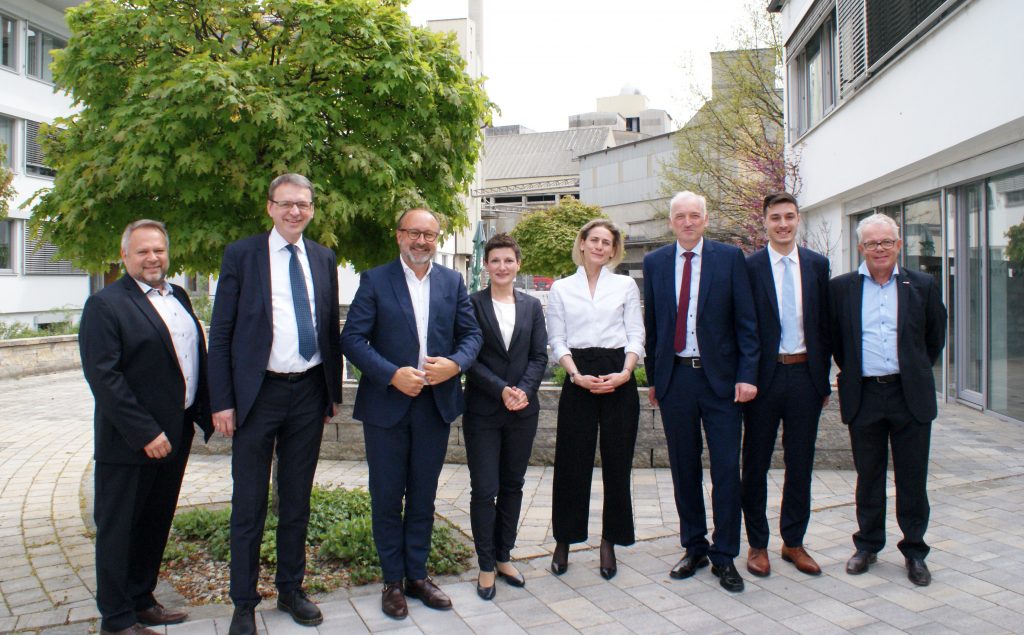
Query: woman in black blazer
(501, 411)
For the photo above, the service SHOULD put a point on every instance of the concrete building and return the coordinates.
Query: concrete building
(913, 111)
(34, 289)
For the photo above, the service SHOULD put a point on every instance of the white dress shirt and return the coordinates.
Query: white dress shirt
(284, 350)
(610, 319)
(184, 334)
(778, 271)
(419, 293)
(506, 314)
(691, 349)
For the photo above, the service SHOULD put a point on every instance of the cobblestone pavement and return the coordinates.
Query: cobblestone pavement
(977, 535)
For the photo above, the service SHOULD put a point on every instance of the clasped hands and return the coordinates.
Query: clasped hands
(603, 384)
(436, 370)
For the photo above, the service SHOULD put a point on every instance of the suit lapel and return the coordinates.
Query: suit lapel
(768, 281)
(667, 282)
(437, 300)
(856, 304)
(707, 273)
(808, 290)
(263, 277)
(491, 318)
(902, 304)
(142, 302)
(517, 330)
(316, 271)
(401, 290)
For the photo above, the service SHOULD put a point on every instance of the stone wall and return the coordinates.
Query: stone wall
(343, 437)
(38, 355)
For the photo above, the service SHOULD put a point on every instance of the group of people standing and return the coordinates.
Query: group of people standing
(734, 346)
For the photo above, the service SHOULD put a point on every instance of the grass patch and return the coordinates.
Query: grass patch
(640, 373)
(339, 548)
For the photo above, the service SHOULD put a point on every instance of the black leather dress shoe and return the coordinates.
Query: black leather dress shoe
(243, 622)
(300, 608)
(688, 565)
(486, 592)
(918, 573)
(429, 593)
(392, 601)
(560, 558)
(860, 561)
(158, 615)
(516, 580)
(728, 577)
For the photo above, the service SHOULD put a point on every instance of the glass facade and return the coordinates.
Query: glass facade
(970, 238)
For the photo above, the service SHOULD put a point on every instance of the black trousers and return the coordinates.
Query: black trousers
(133, 508)
(581, 415)
(288, 416)
(498, 448)
(884, 419)
(404, 462)
(689, 402)
(792, 400)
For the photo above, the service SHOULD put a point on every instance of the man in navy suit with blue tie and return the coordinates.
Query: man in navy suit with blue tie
(411, 331)
(275, 375)
(790, 287)
(702, 352)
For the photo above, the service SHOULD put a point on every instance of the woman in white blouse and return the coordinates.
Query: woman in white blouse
(501, 411)
(596, 332)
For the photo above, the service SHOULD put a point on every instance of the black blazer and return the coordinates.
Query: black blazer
(814, 279)
(242, 327)
(920, 336)
(521, 366)
(129, 361)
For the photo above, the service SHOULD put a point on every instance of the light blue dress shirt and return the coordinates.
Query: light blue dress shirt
(878, 324)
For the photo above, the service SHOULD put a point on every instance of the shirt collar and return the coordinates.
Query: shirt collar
(863, 270)
(409, 271)
(278, 242)
(582, 271)
(697, 249)
(775, 256)
(166, 290)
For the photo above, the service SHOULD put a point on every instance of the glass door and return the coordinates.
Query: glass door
(966, 205)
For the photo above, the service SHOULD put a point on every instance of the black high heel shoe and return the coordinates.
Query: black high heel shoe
(560, 558)
(608, 565)
(516, 580)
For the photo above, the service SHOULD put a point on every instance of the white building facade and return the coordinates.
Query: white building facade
(34, 289)
(912, 110)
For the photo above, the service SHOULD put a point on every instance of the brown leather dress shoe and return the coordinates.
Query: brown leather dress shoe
(802, 560)
(158, 615)
(757, 562)
(392, 601)
(429, 593)
(134, 629)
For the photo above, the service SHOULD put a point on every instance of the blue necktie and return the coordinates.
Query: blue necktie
(300, 298)
(790, 328)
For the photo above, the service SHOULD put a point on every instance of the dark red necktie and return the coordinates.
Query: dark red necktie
(684, 304)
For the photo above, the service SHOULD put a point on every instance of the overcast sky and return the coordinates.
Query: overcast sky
(548, 59)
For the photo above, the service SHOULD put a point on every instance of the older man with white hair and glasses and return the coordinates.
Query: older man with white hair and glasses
(888, 329)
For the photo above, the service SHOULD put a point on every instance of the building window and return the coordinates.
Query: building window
(6, 248)
(40, 44)
(814, 73)
(34, 160)
(7, 140)
(8, 35)
(889, 21)
(40, 257)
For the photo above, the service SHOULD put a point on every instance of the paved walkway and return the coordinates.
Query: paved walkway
(47, 576)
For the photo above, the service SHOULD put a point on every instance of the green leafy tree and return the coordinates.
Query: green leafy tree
(546, 236)
(6, 187)
(186, 110)
(733, 149)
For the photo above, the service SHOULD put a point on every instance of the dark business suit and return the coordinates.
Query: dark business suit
(899, 411)
(727, 338)
(791, 393)
(270, 413)
(129, 360)
(498, 441)
(406, 437)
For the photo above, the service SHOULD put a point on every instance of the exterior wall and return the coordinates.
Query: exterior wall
(32, 299)
(945, 100)
(38, 356)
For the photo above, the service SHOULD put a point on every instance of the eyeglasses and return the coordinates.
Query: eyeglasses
(416, 234)
(873, 245)
(304, 206)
